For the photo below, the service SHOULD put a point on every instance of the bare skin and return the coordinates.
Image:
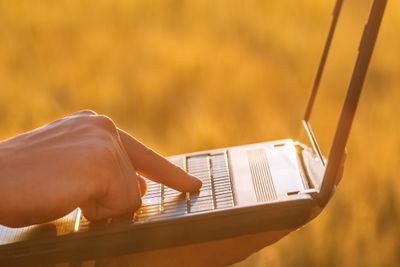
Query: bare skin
(84, 160)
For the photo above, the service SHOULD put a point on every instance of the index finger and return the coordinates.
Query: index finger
(157, 168)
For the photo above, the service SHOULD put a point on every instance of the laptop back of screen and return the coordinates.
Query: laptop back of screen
(337, 150)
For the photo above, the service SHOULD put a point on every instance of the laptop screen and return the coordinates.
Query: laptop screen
(338, 71)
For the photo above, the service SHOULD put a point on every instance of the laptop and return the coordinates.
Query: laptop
(247, 189)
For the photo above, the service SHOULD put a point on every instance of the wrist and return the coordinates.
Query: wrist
(7, 190)
(3, 157)
(6, 152)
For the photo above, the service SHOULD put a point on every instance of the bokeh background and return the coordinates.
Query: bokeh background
(191, 75)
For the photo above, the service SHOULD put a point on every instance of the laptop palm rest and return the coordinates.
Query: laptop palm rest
(264, 172)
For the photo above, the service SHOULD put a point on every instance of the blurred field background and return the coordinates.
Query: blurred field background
(189, 75)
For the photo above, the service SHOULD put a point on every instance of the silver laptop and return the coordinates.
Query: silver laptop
(246, 189)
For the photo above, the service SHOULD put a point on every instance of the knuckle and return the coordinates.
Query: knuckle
(86, 112)
(105, 123)
(91, 124)
(83, 112)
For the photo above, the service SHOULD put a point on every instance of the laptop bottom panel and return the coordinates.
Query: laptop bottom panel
(119, 239)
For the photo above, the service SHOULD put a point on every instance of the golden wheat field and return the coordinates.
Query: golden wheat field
(191, 75)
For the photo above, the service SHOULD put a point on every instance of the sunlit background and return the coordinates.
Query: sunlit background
(191, 75)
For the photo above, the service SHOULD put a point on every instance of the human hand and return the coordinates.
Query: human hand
(82, 160)
(96, 167)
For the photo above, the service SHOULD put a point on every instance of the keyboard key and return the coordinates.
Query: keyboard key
(201, 204)
(178, 161)
(151, 201)
(162, 202)
(170, 194)
(176, 208)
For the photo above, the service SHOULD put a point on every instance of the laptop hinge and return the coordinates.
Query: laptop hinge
(313, 192)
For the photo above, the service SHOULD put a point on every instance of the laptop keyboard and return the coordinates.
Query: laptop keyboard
(162, 202)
